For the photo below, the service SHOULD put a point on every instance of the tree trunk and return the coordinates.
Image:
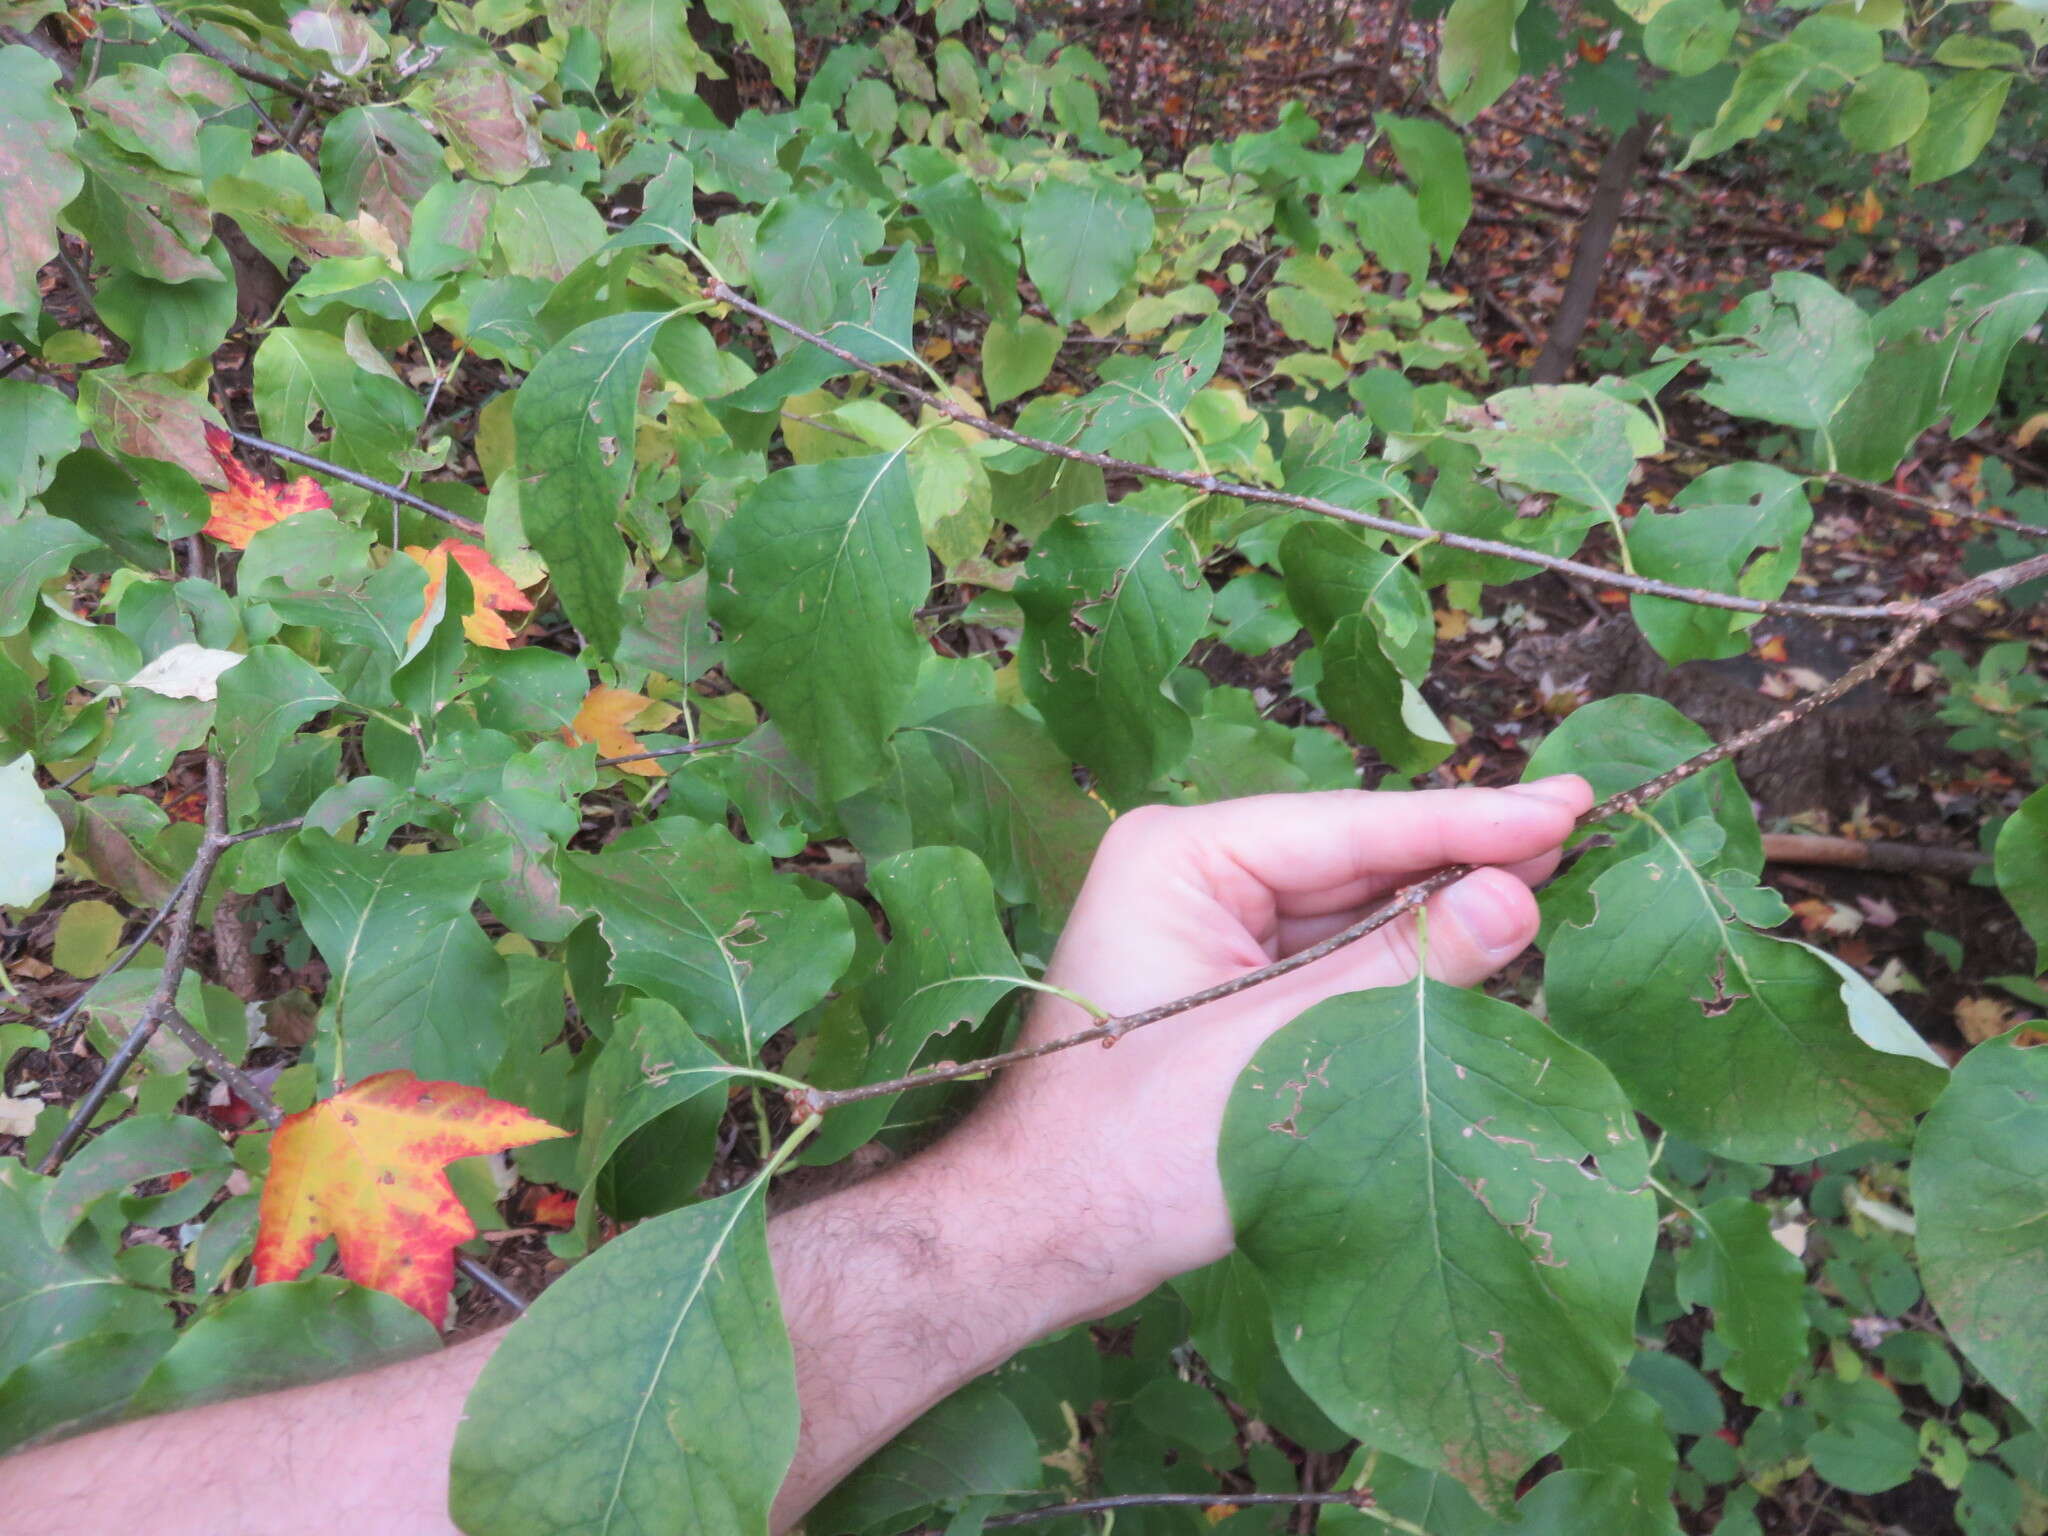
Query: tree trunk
(1596, 236)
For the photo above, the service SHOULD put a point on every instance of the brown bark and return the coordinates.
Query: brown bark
(1892, 858)
(1596, 236)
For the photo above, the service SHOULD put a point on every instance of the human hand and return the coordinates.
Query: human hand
(1124, 1139)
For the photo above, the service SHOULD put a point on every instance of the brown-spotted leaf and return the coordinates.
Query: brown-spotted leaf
(251, 503)
(147, 416)
(139, 109)
(485, 115)
(38, 175)
(366, 1167)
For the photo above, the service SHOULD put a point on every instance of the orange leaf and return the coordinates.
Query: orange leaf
(251, 503)
(602, 717)
(1834, 218)
(553, 1207)
(492, 588)
(366, 1166)
(1867, 212)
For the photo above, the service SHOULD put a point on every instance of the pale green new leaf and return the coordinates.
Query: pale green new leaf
(575, 420)
(1754, 1285)
(1113, 598)
(814, 581)
(1082, 241)
(1887, 108)
(1980, 1196)
(412, 981)
(705, 923)
(681, 1412)
(1433, 158)
(1567, 440)
(35, 836)
(1478, 60)
(1689, 37)
(1482, 1181)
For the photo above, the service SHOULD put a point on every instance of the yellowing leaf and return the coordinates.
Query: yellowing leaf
(602, 719)
(366, 1167)
(1867, 212)
(251, 503)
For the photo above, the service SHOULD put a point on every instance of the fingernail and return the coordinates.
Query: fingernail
(1491, 917)
(1557, 789)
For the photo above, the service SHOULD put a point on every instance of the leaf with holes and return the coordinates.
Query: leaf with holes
(366, 1167)
(1478, 1177)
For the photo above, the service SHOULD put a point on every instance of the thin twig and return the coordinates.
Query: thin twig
(811, 1101)
(199, 44)
(695, 746)
(361, 481)
(1357, 1500)
(1213, 486)
(184, 923)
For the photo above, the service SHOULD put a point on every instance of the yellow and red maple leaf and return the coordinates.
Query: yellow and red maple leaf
(366, 1167)
(602, 718)
(251, 503)
(495, 592)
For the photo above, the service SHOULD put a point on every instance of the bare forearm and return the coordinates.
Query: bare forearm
(896, 1292)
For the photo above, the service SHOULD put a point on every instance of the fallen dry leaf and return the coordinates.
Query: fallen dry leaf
(366, 1166)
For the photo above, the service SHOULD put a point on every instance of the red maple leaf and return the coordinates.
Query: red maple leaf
(251, 503)
(365, 1166)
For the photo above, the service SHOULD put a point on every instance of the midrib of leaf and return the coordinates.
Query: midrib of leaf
(732, 975)
(1080, 242)
(669, 1346)
(355, 944)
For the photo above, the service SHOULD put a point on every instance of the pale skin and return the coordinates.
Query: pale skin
(1086, 1179)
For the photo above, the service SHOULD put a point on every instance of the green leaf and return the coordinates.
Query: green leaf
(38, 175)
(485, 115)
(814, 582)
(1631, 1439)
(140, 112)
(1447, 1155)
(703, 922)
(139, 1148)
(412, 980)
(1735, 1041)
(1433, 157)
(807, 254)
(1113, 598)
(650, 47)
(546, 230)
(287, 1334)
(1942, 348)
(2020, 864)
(1887, 108)
(762, 26)
(1961, 117)
(31, 552)
(382, 159)
(264, 698)
(575, 420)
(77, 1385)
(1739, 529)
(989, 779)
(1016, 357)
(166, 325)
(1798, 353)
(1824, 53)
(302, 374)
(1689, 37)
(974, 1443)
(652, 1065)
(1389, 221)
(1082, 240)
(970, 238)
(1366, 693)
(1567, 440)
(1754, 1287)
(1980, 1194)
(946, 944)
(51, 1295)
(1335, 572)
(38, 427)
(1477, 60)
(684, 1419)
